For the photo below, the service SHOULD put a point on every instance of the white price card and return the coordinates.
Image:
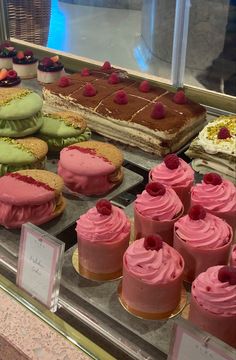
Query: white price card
(40, 264)
(189, 342)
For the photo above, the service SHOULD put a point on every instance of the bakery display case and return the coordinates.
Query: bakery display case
(140, 76)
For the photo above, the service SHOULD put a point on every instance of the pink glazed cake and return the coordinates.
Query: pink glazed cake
(233, 256)
(213, 303)
(176, 173)
(156, 210)
(152, 278)
(204, 240)
(218, 196)
(91, 167)
(103, 236)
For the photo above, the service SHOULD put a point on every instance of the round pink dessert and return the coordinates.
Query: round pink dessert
(233, 256)
(157, 214)
(202, 243)
(102, 241)
(179, 176)
(152, 280)
(21, 201)
(213, 305)
(86, 172)
(219, 200)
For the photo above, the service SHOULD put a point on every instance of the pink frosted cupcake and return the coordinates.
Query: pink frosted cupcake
(233, 256)
(103, 236)
(213, 303)
(156, 210)
(204, 240)
(176, 173)
(152, 278)
(218, 196)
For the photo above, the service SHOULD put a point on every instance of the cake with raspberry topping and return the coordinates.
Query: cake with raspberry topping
(50, 69)
(136, 113)
(215, 148)
(213, 303)
(9, 78)
(7, 52)
(25, 64)
(103, 236)
(152, 278)
(204, 240)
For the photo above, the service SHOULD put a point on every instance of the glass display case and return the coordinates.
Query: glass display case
(170, 43)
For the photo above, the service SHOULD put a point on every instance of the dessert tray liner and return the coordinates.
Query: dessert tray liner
(75, 206)
(103, 296)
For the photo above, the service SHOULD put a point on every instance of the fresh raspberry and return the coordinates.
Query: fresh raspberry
(12, 74)
(153, 242)
(180, 98)
(223, 133)
(212, 178)
(158, 111)
(197, 212)
(47, 62)
(85, 72)
(114, 78)
(227, 274)
(20, 55)
(171, 161)
(121, 97)
(155, 189)
(64, 81)
(104, 207)
(28, 52)
(89, 90)
(106, 65)
(144, 86)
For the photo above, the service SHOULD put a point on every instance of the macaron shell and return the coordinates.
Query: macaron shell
(19, 105)
(11, 153)
(34, 145)
(105, 150)
(55, 127)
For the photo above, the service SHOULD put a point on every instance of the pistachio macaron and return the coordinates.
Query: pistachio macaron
(20, 112)
(62, 129)
(25, 153)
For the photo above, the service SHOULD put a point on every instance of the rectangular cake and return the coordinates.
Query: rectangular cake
(138, 114)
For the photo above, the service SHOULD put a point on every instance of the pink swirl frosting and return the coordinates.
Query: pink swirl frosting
(221, 198)
(164, 207)
(208, 233)
(154, 267)
(13, 216)
(213, 295)
(233, 257)
(103, 228)
(182, 176)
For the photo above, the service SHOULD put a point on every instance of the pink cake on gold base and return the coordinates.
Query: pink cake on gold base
(103, 236)
(152, 278)
(203, 240)
(218, 196)
(156, 210)
(176, 173)
(213, 303)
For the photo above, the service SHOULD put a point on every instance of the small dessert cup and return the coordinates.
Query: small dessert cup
(144, 226)
(198, 260)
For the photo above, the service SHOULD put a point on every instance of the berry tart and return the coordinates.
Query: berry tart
(7, 52)
(9, 78)
(50, 69)
(25, 64)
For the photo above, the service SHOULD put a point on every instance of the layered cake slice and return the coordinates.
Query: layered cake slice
(215, 148)
(138, 114)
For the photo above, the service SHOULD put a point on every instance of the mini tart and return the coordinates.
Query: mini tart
(30, 195)
(91, 167)
(20, 112)
(25, 67)
(63, 129)
(50, 70)
(17, 154)
(9, 78)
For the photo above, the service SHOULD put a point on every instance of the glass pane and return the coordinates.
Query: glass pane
(211, 51)
(128, 33)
